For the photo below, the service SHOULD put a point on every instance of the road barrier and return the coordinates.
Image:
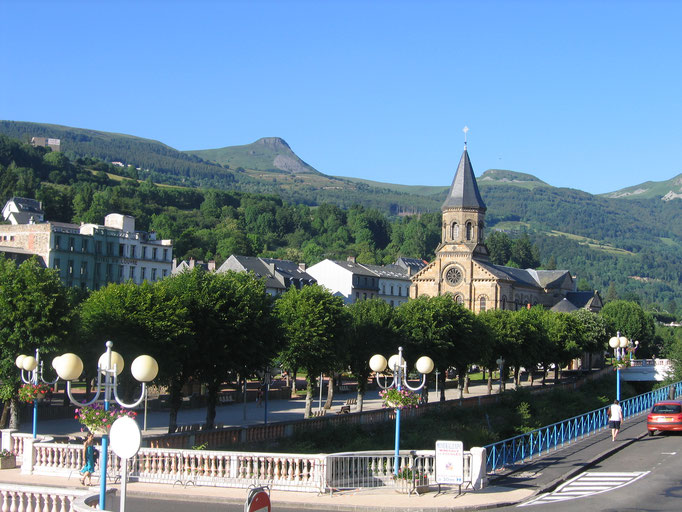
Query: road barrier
(522, 448)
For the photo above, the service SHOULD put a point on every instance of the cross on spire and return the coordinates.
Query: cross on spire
(465, 130)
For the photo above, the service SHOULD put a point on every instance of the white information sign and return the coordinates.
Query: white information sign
(449, 462)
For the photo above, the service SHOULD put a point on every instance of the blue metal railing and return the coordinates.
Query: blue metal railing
(522, 448)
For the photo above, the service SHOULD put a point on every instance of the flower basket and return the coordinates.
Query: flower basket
(97, 420)
(7, 460)
(398, 398)
(33, 392)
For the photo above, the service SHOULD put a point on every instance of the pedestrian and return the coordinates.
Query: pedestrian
(88, 458)
(259, 396)
(615, 418)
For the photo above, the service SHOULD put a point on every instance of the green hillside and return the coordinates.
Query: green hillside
(666, 190)
(633, 245)
(266, 154)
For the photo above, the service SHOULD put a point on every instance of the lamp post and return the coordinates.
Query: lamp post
(110, 365)
(618, 343)
(500, 364)
(34, 368)
(398, 366)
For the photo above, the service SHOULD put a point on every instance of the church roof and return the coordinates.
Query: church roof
(564, 306)
(580, 299)
(528, 277)
(464, 190)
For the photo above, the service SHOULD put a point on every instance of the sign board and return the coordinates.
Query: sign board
(126, 437)
(449, 462)
(258, 500)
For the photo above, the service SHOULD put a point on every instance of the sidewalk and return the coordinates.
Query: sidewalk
(507, 488)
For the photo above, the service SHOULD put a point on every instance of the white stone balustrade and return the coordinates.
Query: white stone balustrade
(25, 498)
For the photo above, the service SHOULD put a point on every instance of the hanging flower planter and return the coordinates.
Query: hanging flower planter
(398, 398)
(97, 420)
(33, 392)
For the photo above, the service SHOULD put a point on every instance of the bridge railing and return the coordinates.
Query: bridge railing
(523, 448)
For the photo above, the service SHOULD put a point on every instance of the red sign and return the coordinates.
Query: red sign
(257, 501)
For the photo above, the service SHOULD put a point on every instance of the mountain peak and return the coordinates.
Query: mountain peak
(265, 154)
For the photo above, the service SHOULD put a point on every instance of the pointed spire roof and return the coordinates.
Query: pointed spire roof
(464, 190)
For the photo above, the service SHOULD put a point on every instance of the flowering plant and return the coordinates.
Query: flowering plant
(619, 364)
(30, 392)
(398, 398)
(97, 420)
(410, 474)
(6, 454)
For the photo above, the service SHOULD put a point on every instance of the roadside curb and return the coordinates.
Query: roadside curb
(549, 487)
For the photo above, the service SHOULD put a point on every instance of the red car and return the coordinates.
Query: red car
(665, 416)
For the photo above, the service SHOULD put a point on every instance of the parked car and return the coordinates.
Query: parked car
(665, 416)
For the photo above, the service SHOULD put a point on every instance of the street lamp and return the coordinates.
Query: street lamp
(618, 343)
(398, 366)
(500, 364)
(34, 367)
(110, 364)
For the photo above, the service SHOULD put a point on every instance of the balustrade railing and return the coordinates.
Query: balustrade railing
(25, 498)
(522, 448)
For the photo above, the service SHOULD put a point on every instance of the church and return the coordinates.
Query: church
(462, 267)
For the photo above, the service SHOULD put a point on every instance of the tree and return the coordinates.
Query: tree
(524, 254)
(631, 321)
(507, 334)
(594, 331)
(313, 322)
(499, 246)
(233, 328)
(370, 333)
(440, 328)
(34, 314)
(141, 319)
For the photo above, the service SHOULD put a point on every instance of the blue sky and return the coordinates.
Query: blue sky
(585, 95)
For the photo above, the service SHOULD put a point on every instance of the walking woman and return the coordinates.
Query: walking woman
(615, 418)
(89, 458)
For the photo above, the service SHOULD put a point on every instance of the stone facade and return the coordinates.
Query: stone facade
(463, 269)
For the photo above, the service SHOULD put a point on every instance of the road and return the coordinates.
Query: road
(645, 476)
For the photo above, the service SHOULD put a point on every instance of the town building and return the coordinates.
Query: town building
(279, 275)
(355, 281)
(89, 256)
(462, 267)
(21, 210)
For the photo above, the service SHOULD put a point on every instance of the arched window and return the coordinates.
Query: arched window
(482, 303)
(459, 298)
(503, 302)
(468, 230)
(480, 231)
(455, 231)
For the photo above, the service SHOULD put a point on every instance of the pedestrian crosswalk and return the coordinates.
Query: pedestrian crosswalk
(587, 484)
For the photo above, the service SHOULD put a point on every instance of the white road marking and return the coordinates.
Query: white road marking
(587, 484)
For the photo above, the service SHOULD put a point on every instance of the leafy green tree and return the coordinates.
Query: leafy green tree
(141, 319)
(507, 334)
(631, 321)
(499, 246)
(370, 333)
(535, 346)
(34, 314)
(313, 323)
(567, 338)
(440, 328)
(594, 330)
(524, 254)
(233, 327)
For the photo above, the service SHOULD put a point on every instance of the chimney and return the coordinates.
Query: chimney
(211, 265)
(302, 267)
(192, 261)
(351, 259)
(174, 265)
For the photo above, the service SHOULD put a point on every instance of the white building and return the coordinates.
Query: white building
(355, 281)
